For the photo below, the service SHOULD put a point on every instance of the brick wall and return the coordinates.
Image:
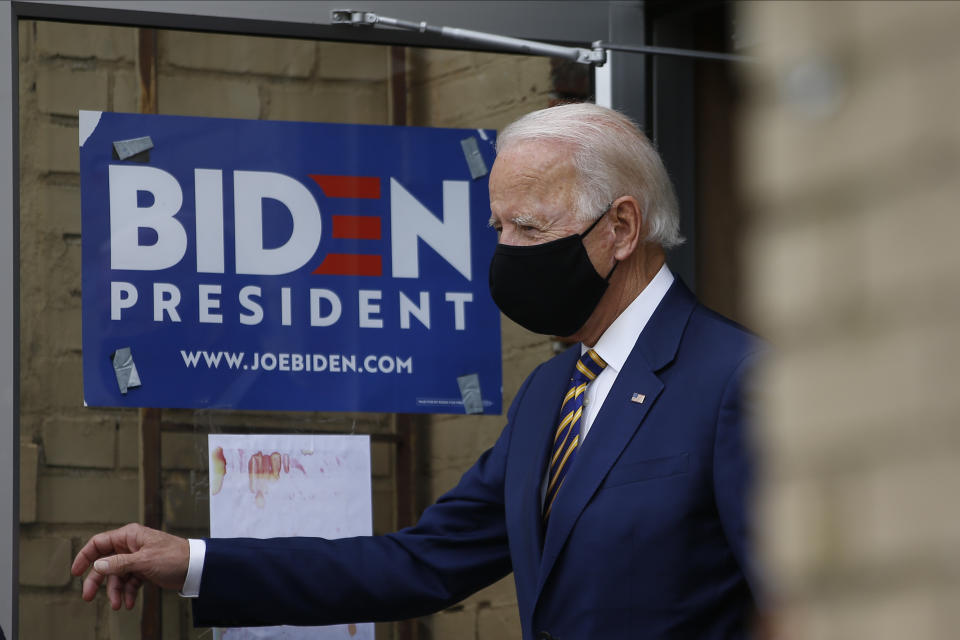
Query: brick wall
(79, 466)
(72, 480)
(851, 157)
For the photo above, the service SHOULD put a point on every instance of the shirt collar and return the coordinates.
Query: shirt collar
(616, 343)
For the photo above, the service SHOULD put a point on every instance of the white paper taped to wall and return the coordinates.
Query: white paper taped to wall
(264, 486)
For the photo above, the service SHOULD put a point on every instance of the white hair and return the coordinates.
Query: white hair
(612, 157)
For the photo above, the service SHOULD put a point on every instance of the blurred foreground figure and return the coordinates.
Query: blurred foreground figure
(617, 491)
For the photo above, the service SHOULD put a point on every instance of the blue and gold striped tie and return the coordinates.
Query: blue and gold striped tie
(567, 436)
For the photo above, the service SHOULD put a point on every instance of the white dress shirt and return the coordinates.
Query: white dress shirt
(614, 346)
(617, 342)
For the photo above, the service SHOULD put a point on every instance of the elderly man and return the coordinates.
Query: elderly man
(617, 491)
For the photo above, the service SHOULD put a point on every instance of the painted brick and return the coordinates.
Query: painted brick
(55, 149)
(349, 61)
(126, 92)
(458, 98)
(790, 32)
(809, 257)
(183, 451)
(499, 118)
(45, 562)
(60, 208)
(57, 332)
(238, 54)
(185, 507)
(61, 280)
(195, 633)
(501, 622)
(29, 464)
(518, 365)
(383, 511)
(211, 97)
(364, 103)
(822, 400)
(25, 39)
(933, 261)
(128, 446)
(381, 459)
(78, 443)
(461, 439)
(430, 64)
(31, 425)
(947, 615)
(44, 616)
(456, 622)
(490, 96)
(57, 383)
(66, 91)
(860, 405)
(172, 615)
(851, 156)
(533, 74)
(88, 499)
(73, 40)
(885, 614)
(123, 624)
(516, 337)
(794, 521)
(891, 515)
(879, 26)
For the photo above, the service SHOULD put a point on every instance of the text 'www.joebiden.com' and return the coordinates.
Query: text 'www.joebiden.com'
(297, 362)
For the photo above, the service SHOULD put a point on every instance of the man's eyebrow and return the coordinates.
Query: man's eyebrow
(522, 220)
(525, 221)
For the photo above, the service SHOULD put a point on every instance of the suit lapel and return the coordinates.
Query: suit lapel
(618, 420)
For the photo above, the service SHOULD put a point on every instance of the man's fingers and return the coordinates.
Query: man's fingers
(122, 591)
(132, 555)
(130, 590)
(115, 569)
(117, 565)
(84, 559)
(123, 540)
(90, 585)
(115, 591)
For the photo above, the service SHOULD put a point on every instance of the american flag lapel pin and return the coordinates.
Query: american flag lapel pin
(638, 398)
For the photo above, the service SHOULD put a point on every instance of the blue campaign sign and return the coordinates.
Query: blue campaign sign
(286, 265)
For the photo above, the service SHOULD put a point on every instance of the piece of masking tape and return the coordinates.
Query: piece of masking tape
(470, 392)
(126, 369)
(134, 146)
(471, 151)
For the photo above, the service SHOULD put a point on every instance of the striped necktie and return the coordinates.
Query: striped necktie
(567, 436)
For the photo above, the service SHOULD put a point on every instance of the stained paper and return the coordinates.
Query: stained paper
(264, 486)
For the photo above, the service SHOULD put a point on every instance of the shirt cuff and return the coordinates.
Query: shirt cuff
(191, 586)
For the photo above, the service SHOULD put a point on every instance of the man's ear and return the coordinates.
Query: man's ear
(628, 226)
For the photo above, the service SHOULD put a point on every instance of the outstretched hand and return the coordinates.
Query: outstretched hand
(128, 557)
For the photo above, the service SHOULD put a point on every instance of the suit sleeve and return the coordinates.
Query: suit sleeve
(734, 469)
(458, 546)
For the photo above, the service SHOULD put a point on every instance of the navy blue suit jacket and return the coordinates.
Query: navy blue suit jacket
(648, 538)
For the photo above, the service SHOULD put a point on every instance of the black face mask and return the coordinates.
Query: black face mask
(549, 288)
